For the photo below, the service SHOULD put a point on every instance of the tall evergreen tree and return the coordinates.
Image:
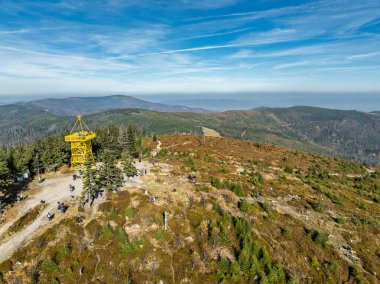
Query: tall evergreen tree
(22, 158)
(131, 142)
(124, 138)
(110, 176)
(108, 139)
(90, 180)
(5, 175)
(129, 167)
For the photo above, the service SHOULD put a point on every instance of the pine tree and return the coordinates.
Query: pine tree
(5, 175)
(129, 167)
(110, 176)
(124, 139)
(131, 142)
(88, 179)
(22, 158)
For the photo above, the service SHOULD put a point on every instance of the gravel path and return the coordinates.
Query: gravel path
(52, 191)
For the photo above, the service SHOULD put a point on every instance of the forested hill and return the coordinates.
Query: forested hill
(87, 105)
(347, 134)
(24, 123)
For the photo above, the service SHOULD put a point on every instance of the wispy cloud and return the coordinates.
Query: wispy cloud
(264, 38)
(186, 44)
(9, 32)
(214, 34)
(363, 55)
(293, 64)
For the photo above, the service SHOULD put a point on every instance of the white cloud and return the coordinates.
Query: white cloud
(363, 55)
(292, 64)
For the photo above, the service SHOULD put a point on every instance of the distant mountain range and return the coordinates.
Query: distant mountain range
(350, 135)
(87, 105)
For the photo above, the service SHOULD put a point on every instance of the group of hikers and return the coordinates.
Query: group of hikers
(62, 207)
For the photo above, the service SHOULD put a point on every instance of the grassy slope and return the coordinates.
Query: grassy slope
(339, 199)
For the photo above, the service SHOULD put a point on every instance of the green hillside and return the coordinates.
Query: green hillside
(255, 213)
(348, 134)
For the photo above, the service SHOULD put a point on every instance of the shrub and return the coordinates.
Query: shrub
(106, 232)
(223, 170)
(133, 246)
(215, 182)
(224, 235)
(334, 198)
(315, 262)
(331, 267)
(267, 208)
(244, 206)
(287, 234)
(161, 235)
(319, 206)
(288, 169)
(69, 273)
(362, 206)
(131, 213)
(357, 274)
(49, 265)
(339, 220)
(235, 271)
(189, 162)
(224, 265)
(319, 237)
(236, 188)
(113, 212)
(65, 250)
(208, 158)
(256, 178)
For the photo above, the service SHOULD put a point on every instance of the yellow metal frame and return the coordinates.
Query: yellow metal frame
(80, 143)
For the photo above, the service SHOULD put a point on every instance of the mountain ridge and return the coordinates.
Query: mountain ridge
(351, 135)
(88, 105)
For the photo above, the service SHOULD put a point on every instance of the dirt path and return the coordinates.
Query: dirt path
(210, 132)
(158, 149)
(52, 191)
(243, 133)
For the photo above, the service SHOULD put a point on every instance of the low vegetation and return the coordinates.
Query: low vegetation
(250, 212)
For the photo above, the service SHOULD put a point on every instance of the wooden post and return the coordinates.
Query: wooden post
(165, 215)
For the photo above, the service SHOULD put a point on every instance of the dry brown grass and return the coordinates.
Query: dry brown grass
(170, 256)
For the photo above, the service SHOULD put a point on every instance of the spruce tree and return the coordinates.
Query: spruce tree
(129, 167)
(87, 179)
(5, 175)
(110, 176)
(131, 142)
(124, 139)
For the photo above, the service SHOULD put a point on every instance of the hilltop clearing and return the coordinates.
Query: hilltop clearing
(210, 132)
(237, 211)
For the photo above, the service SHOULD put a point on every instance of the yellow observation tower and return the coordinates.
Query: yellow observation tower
(80, 138)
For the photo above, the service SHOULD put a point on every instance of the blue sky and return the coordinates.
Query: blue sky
(146, 46)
